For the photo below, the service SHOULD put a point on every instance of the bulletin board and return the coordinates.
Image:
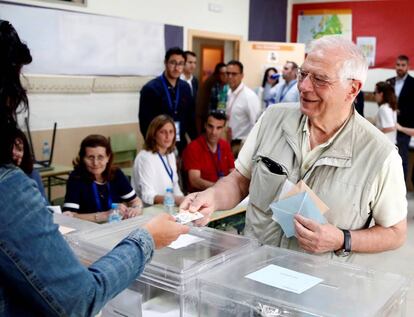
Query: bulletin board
(257, 56)
(391, 22)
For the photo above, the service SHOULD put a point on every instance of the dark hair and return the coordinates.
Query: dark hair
(294, 65)
(388, 94)
(218, 67)
(27, 160)
(403, 58)
(237, 63)
(266, 74)
(94, 140)
(174, 51)
(218, 114)
(13, 55)
(156, 124)
(186, 53)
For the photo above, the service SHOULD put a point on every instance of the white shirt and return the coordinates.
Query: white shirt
(385, 187)
(150, 177)
(399, 83)
(387, 118)
(243, 109)
(188, 81)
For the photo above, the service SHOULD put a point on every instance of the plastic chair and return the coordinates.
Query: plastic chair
(124, 148)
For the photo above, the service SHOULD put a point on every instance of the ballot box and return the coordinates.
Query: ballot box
(70, 225)
(278, 282)
(168, 283)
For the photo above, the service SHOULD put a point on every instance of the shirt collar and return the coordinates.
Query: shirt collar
(305, 129)
(182, 76)
(401, 79)
(238, 89)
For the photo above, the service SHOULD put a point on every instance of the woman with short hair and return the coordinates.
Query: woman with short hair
(95, 184)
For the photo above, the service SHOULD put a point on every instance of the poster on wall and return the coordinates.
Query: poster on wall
(368, 45)
(313, 24)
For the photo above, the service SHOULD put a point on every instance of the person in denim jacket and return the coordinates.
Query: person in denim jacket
(39, 274)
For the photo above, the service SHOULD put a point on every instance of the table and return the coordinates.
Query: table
(53, 177)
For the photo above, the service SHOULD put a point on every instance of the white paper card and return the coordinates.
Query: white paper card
(186, 217)
(65, 230)
(184, 240)
(55, 209)
(288, 280)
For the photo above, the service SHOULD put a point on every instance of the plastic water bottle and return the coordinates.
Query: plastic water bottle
(115, 214)
(45, 151)
(169, 202)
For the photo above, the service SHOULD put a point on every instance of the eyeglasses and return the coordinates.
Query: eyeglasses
(317, 80)
(232, 74)
(99, 158)
(220, 113)
(176, 64)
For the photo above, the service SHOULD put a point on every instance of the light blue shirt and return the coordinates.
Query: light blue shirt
(399, 83)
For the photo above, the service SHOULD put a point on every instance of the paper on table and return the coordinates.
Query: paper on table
(284, 211)
(302, 187)
(184, 240)
(65, 230)
(288, 280)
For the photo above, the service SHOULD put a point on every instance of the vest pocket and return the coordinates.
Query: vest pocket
(265, 187)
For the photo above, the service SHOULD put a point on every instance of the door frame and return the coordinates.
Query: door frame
(215, 36)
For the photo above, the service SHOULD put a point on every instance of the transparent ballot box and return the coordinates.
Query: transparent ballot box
(277, 282)
(168, 282)
(70, 225)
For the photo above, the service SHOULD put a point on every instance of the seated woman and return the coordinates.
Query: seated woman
(95, 184)
(22, 158)
(155, 167)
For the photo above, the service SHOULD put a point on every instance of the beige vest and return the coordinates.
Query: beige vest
(341, 177)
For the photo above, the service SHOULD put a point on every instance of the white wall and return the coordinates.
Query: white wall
(116, 108)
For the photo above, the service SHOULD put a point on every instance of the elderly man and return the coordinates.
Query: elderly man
(348, 163)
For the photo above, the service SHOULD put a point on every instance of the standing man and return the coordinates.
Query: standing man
(188, 73)
(345, 160)
(287, 90)
(168, 94)
(403, 85)
(243, 107)
(208, 158)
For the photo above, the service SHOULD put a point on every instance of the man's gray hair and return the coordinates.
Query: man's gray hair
(354, 66)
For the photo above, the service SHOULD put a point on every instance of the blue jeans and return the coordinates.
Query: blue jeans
(39, 274)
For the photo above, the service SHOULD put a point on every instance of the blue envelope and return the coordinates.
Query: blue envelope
(285, 209)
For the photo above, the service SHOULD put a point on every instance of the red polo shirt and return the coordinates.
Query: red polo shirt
(197, 156)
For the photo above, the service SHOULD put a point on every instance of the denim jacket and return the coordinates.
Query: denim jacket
(39, 274)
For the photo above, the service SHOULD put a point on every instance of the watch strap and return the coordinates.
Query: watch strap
(347, 240)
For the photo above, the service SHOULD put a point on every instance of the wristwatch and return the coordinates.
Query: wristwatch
(346, 247)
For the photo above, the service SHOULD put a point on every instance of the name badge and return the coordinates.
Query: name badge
(177, 129)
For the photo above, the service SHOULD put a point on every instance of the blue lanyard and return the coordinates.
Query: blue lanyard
(173, 107)
(219, 172)
(167, 167)
(98, 200)
(287, 90)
